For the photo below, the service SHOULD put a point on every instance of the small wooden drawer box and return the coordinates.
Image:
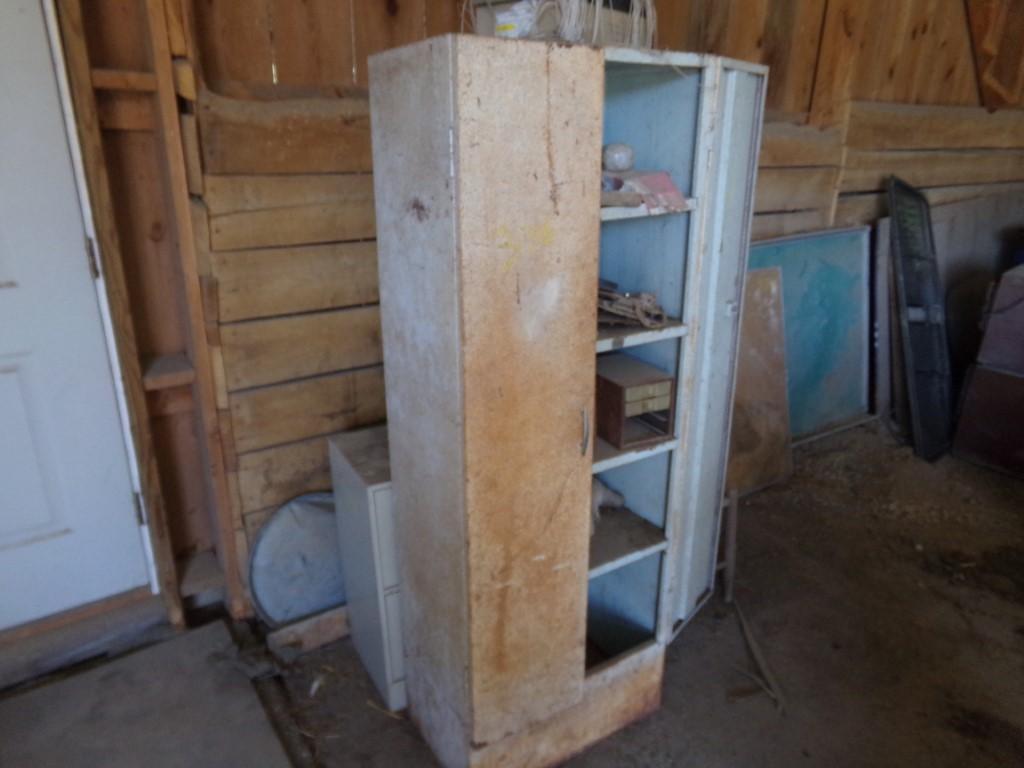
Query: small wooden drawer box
(635, 402)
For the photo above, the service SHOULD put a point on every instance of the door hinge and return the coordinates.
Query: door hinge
(90, 254)
(140, 509)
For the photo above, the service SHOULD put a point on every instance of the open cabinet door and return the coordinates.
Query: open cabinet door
(715, 276)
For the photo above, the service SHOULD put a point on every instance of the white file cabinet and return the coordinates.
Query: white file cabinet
(362, 497)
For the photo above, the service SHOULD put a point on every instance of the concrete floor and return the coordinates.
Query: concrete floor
(181, 703)
(887, 595)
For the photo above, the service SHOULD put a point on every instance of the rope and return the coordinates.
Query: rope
(574, 16)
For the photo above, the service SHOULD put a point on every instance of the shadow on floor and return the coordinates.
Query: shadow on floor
(886, 593)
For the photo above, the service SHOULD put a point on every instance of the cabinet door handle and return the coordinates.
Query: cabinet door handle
(586, 432)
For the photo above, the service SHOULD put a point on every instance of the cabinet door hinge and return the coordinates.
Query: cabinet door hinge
(140, 509)
(90, 254)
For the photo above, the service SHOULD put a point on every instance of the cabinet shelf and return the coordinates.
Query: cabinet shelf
(619, 213)
(620, 538)
(610, 339)
(607, 456)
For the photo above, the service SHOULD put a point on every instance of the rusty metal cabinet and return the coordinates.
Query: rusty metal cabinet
(526, 638)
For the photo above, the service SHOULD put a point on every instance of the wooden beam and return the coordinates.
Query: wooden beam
(91, 140)
(308, 634)
(177, 38)
(123, 80)
(209, 439)
(184, 79)
(125, 111)
(190, 146)
(167, 372)
(292, 136)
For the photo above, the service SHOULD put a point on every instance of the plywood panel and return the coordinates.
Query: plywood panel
(299, 409)
(261, 352)
(279, 281)
(759, 446)
(272, 476)
(290, 136)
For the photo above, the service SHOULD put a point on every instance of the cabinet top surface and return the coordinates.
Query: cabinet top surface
(612, 54)
(366, 452)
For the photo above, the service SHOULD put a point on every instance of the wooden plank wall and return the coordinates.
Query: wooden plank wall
(276, 135)
(831, 60)
(284, 224)
(120, 68)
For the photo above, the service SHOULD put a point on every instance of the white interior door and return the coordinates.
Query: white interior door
(68, 531)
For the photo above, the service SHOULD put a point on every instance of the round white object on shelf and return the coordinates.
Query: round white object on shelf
(617, 157)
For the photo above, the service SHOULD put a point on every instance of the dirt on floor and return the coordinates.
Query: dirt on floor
(887, 595)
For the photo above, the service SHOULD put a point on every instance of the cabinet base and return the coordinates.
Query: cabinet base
(614, 695)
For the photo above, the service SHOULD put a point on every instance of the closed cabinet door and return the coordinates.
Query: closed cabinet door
(68, 530)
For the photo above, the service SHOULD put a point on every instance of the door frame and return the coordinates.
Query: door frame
(99, 283)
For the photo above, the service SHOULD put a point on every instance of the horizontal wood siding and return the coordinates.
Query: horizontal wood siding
(295, 136)
(284, 152)
(272, 476)
(259, 352)
(901, 126)
(263, 282)
(317, 406)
